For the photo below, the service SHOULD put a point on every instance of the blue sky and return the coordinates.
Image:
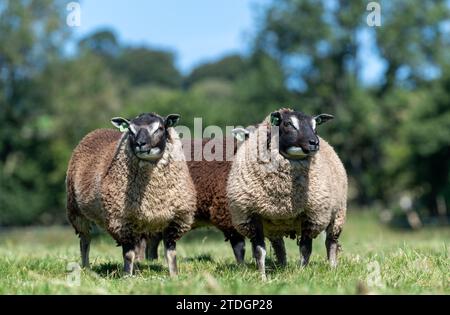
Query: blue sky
(197, 30)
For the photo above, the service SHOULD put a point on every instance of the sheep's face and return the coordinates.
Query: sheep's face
(147, 134)
(297, 133)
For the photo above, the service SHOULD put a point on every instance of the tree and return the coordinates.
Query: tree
(414, 41)
(418, 154)
(227, 68)
(143, 66)
(33, 33)
(317, 47)
(103, 43)
(317, 44)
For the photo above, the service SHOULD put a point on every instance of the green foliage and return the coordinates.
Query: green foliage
(31, 34)
(103, 43)
(393, 137)
(228, 68)
(415, 43)
(387, 135)
(142, 66)
(418, 155)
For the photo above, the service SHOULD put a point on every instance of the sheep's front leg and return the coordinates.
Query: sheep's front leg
(151, 252)
(174, 231)
(279, 249)
(259, 246)
(128, 258)
(238, 244)
(171, 254)
(305, 249)
(260, 255)
(131, 251)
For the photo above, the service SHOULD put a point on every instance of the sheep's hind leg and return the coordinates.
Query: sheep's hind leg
(151, 252)
(82, 227)
(279, 249)
(141, 250)
(238, 244)
(305, 245)
(80, 223)
(85, 245)
(332, 245)
(333, 232)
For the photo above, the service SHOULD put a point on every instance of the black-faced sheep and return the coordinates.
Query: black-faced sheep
(300, 190)
(131, 184)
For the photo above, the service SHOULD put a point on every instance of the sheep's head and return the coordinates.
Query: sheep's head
(297, 132)
(148, 133)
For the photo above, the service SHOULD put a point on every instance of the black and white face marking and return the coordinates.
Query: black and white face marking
(147, 134)
(295, 122)
(313, 124)
(297, 133)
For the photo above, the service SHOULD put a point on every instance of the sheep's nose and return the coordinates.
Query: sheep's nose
(314, 142)
(313, 145)
(141, 143)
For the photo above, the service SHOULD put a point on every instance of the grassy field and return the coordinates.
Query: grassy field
(374, 260)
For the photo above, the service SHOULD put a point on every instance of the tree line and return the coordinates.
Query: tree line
(392, 135)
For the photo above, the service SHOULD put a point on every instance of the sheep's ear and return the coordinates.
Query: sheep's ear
(121, 123)
(322, 118)
(172, 120)
(240, 133)
(275, 119)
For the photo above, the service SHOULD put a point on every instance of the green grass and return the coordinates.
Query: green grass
(375, 259)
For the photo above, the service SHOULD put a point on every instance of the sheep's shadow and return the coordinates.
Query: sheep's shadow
(234, 267)
(108, 270)
(248, 264)
(199, 258)
(272, 267)
(115, 270)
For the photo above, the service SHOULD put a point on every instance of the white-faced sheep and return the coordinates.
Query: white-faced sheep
(301, 190)
(132, 184)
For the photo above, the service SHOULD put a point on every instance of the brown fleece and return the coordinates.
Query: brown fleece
(107, 184)
(210, 180)
(307, 195)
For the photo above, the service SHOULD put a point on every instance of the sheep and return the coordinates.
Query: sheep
(300, 192)
(132, 184)
(210, 180)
